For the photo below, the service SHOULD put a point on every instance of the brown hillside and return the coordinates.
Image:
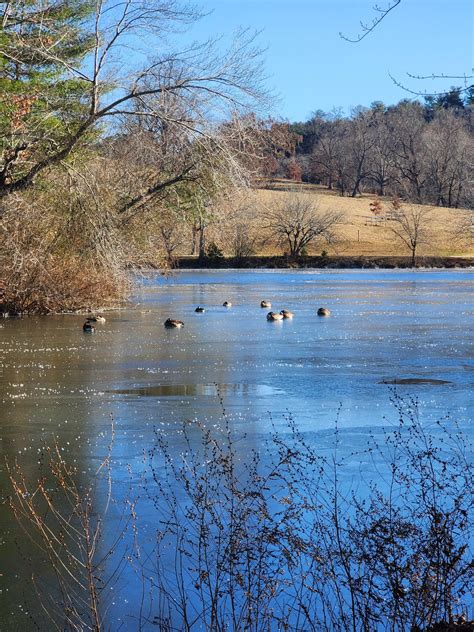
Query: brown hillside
(361, 233)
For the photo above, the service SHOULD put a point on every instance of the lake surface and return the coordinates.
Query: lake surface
(411, 327)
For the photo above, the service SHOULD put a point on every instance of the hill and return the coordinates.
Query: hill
(361, 233)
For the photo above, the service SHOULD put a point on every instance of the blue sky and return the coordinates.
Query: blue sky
(310, 67)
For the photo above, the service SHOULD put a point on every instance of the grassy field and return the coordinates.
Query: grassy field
(361, 233)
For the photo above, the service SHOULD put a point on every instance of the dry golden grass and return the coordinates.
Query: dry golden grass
(363, 234)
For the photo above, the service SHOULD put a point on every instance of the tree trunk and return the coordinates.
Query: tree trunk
(458, 196)
(202, 242)
(194, 231)
(341, 187)
(356, 188)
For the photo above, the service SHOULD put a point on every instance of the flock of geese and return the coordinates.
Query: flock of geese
(172, 323)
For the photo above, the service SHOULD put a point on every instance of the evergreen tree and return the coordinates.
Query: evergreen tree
(451, 99)
(469, 96)
(41, 102)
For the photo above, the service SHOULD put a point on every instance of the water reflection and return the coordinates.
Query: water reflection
(192, 390)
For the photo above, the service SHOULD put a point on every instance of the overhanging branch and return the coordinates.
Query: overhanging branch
(367, 28)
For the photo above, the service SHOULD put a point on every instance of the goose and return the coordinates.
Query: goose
(98, 318)
(88, 327)
(171, 323)
(274, 316)
(266, 304)
(199, 310)
(286, 314)
(226, 304)
(324, 311)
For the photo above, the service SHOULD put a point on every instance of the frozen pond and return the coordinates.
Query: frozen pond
(413, 327)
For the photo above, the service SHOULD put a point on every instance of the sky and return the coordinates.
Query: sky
(310, 67)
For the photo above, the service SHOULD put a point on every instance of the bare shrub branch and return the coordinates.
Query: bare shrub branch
(285, 539)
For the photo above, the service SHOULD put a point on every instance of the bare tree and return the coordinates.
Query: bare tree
(410, 224)
(408, 126)
(242, 226)
(60, 517)
(243, 243)
(331, 155)
(324, 159)
(381, 167)
(418, 152)
(172, 230)
(298, 221)
(463, 230)
(359, 148)
(450, 152)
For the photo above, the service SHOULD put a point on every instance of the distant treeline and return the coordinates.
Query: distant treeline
(421, 152)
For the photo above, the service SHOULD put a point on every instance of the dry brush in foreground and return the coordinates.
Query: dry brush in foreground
(286, 540)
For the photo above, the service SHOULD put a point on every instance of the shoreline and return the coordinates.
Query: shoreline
(318, 262)
(270, 263)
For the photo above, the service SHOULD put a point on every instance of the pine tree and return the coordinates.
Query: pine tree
(41, 102)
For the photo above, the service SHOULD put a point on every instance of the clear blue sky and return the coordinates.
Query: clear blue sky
(310, 67)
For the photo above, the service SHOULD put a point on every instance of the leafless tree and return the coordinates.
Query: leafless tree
(243, 243)
(381, 164)
(360, 145)
(408, 143)
(324, 159)
(298, 221)
(402, 150)
(410, 223)
(450, 152)
(59, 515)
(330, 158)
(242, 226)
(463, 230)
(172, 230)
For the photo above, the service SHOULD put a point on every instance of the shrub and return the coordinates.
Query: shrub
(213, 252)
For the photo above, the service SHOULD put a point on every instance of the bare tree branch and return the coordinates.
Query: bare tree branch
(368, 27)
(425, 93)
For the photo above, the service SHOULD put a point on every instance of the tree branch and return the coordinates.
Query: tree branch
(367, 28)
